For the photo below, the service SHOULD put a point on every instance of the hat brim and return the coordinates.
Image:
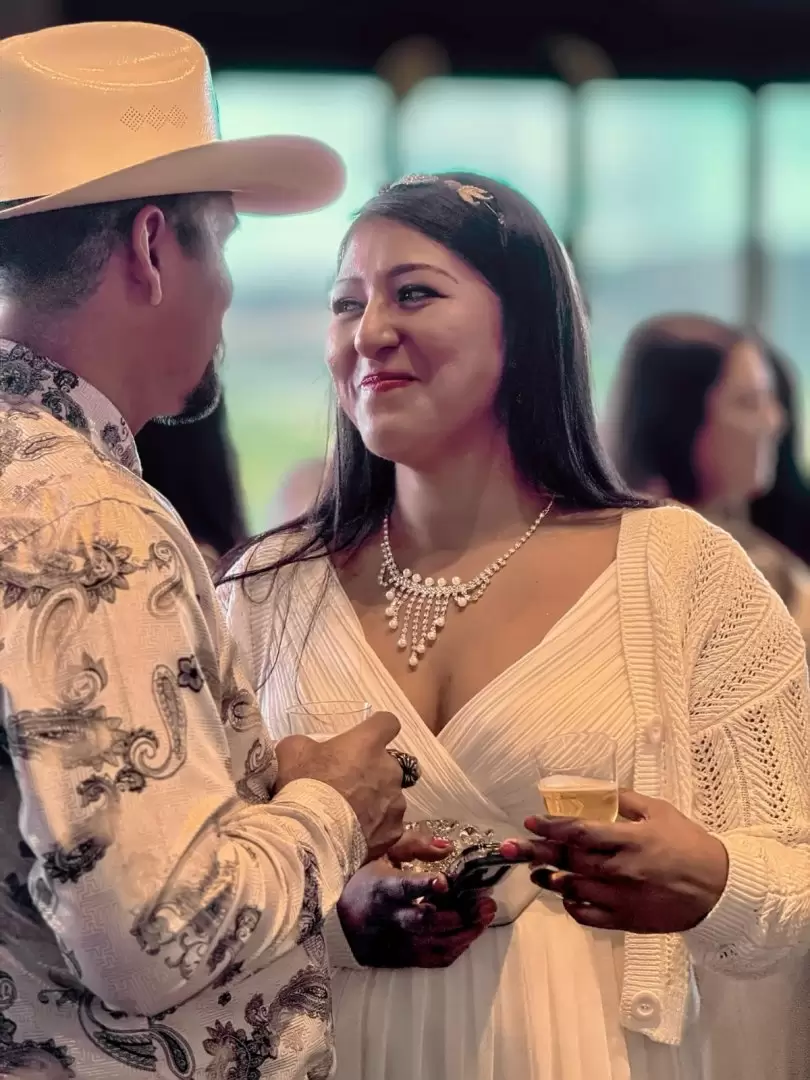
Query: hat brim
(270, 174)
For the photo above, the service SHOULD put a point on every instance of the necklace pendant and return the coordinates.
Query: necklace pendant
(417, 606)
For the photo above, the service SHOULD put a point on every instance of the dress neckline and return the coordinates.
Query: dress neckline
(458, 718)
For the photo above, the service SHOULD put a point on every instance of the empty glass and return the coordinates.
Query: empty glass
(323, 719)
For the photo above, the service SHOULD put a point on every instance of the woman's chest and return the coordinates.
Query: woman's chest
(445, 657)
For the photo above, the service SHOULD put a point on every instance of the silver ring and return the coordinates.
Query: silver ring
(409, 765)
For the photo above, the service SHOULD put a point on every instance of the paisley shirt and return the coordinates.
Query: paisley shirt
(158, 912)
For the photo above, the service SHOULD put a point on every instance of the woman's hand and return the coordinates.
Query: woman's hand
(391, 919)
(656, 873)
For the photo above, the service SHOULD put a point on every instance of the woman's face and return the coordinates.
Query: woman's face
(736, 446)
(414, 344)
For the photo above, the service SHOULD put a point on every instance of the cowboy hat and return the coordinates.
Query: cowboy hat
(106, 111)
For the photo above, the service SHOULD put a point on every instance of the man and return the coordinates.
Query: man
(158, 912)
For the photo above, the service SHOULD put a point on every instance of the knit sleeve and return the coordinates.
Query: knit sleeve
(750, 739)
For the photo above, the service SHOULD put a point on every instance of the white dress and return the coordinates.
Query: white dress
(538, 1000)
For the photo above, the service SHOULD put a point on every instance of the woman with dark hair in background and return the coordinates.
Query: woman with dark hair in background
(696, 417)
(473, 565)
(784, 511)
(193, 464)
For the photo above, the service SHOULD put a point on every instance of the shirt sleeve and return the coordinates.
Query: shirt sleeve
(750, 718)
(144, 773)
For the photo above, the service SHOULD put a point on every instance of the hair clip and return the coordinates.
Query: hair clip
(472, 195)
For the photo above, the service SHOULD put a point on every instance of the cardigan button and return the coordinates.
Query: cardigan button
(646, 1009)
(655, 732)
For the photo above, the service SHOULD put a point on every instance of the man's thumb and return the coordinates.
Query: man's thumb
(414, 844)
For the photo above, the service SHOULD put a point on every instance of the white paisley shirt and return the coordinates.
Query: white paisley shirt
(158, 912)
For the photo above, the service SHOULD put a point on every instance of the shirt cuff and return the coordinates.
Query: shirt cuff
(324, 812)
(733, 919)
(337, 945)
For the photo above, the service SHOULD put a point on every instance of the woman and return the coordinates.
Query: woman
(466, 464)
(696, 417)
(784, 511)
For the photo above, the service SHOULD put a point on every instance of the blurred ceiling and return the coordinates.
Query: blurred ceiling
(754, 41)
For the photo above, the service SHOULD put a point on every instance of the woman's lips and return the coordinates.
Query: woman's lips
(380, 384)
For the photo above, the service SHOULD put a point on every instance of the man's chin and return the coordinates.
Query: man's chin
(200, 403)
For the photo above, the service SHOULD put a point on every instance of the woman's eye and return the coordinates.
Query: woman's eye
(411, 294)
(342, 304)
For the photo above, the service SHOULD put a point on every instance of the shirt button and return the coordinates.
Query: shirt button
(646, 1008)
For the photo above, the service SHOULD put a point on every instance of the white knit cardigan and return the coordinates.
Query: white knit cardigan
(718, 676)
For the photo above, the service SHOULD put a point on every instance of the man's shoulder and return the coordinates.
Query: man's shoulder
(48, 470)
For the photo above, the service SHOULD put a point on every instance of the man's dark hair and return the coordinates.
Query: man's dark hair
(53, 260)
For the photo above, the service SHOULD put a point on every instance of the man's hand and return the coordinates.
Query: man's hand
(357, 764)
(391, 919)
(656, 873)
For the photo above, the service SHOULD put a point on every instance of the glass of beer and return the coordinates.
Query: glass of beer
(577, 776)
(323, 719)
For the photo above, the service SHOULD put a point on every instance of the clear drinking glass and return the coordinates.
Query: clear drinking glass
(323, 719)
(576, 776)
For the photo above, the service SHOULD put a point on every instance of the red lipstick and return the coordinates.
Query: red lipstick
(381, 381)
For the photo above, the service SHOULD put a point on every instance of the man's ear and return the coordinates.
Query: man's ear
(150, 232)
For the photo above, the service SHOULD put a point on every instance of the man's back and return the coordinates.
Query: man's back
(159, 877)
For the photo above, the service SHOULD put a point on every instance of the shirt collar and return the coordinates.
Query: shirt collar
(26, 376)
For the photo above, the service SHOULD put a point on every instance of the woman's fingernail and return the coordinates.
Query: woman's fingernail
(437, 841)
(510, 849)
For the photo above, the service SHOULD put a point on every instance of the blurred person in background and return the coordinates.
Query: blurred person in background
(784, 511)
(164, 868)
(474, 563)
(297, 493)
(192, 462)
(696, 417)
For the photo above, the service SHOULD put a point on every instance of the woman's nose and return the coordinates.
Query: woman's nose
(376, 331)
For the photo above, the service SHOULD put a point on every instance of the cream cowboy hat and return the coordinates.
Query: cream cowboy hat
(100, 112)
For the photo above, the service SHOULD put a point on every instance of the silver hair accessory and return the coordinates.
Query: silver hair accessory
(425, 602)
(472, 195)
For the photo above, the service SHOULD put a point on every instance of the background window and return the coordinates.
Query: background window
(665, 205)
(509, 129)
(276, 384)
(785, 218)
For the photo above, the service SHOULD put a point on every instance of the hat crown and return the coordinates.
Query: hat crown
(82, 101)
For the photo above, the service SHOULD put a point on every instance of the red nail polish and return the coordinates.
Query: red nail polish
(437, 841)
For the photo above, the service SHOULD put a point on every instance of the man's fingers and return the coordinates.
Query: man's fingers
(382, 728)
(415, 844)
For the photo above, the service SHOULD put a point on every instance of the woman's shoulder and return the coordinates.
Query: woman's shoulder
(265, 563)
(672, 529)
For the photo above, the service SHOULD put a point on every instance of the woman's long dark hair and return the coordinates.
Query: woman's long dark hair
(784, 512)
(544, 399)
(658, 401)
(194, 466)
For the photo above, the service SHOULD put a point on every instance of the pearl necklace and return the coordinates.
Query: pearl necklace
(426, 601)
